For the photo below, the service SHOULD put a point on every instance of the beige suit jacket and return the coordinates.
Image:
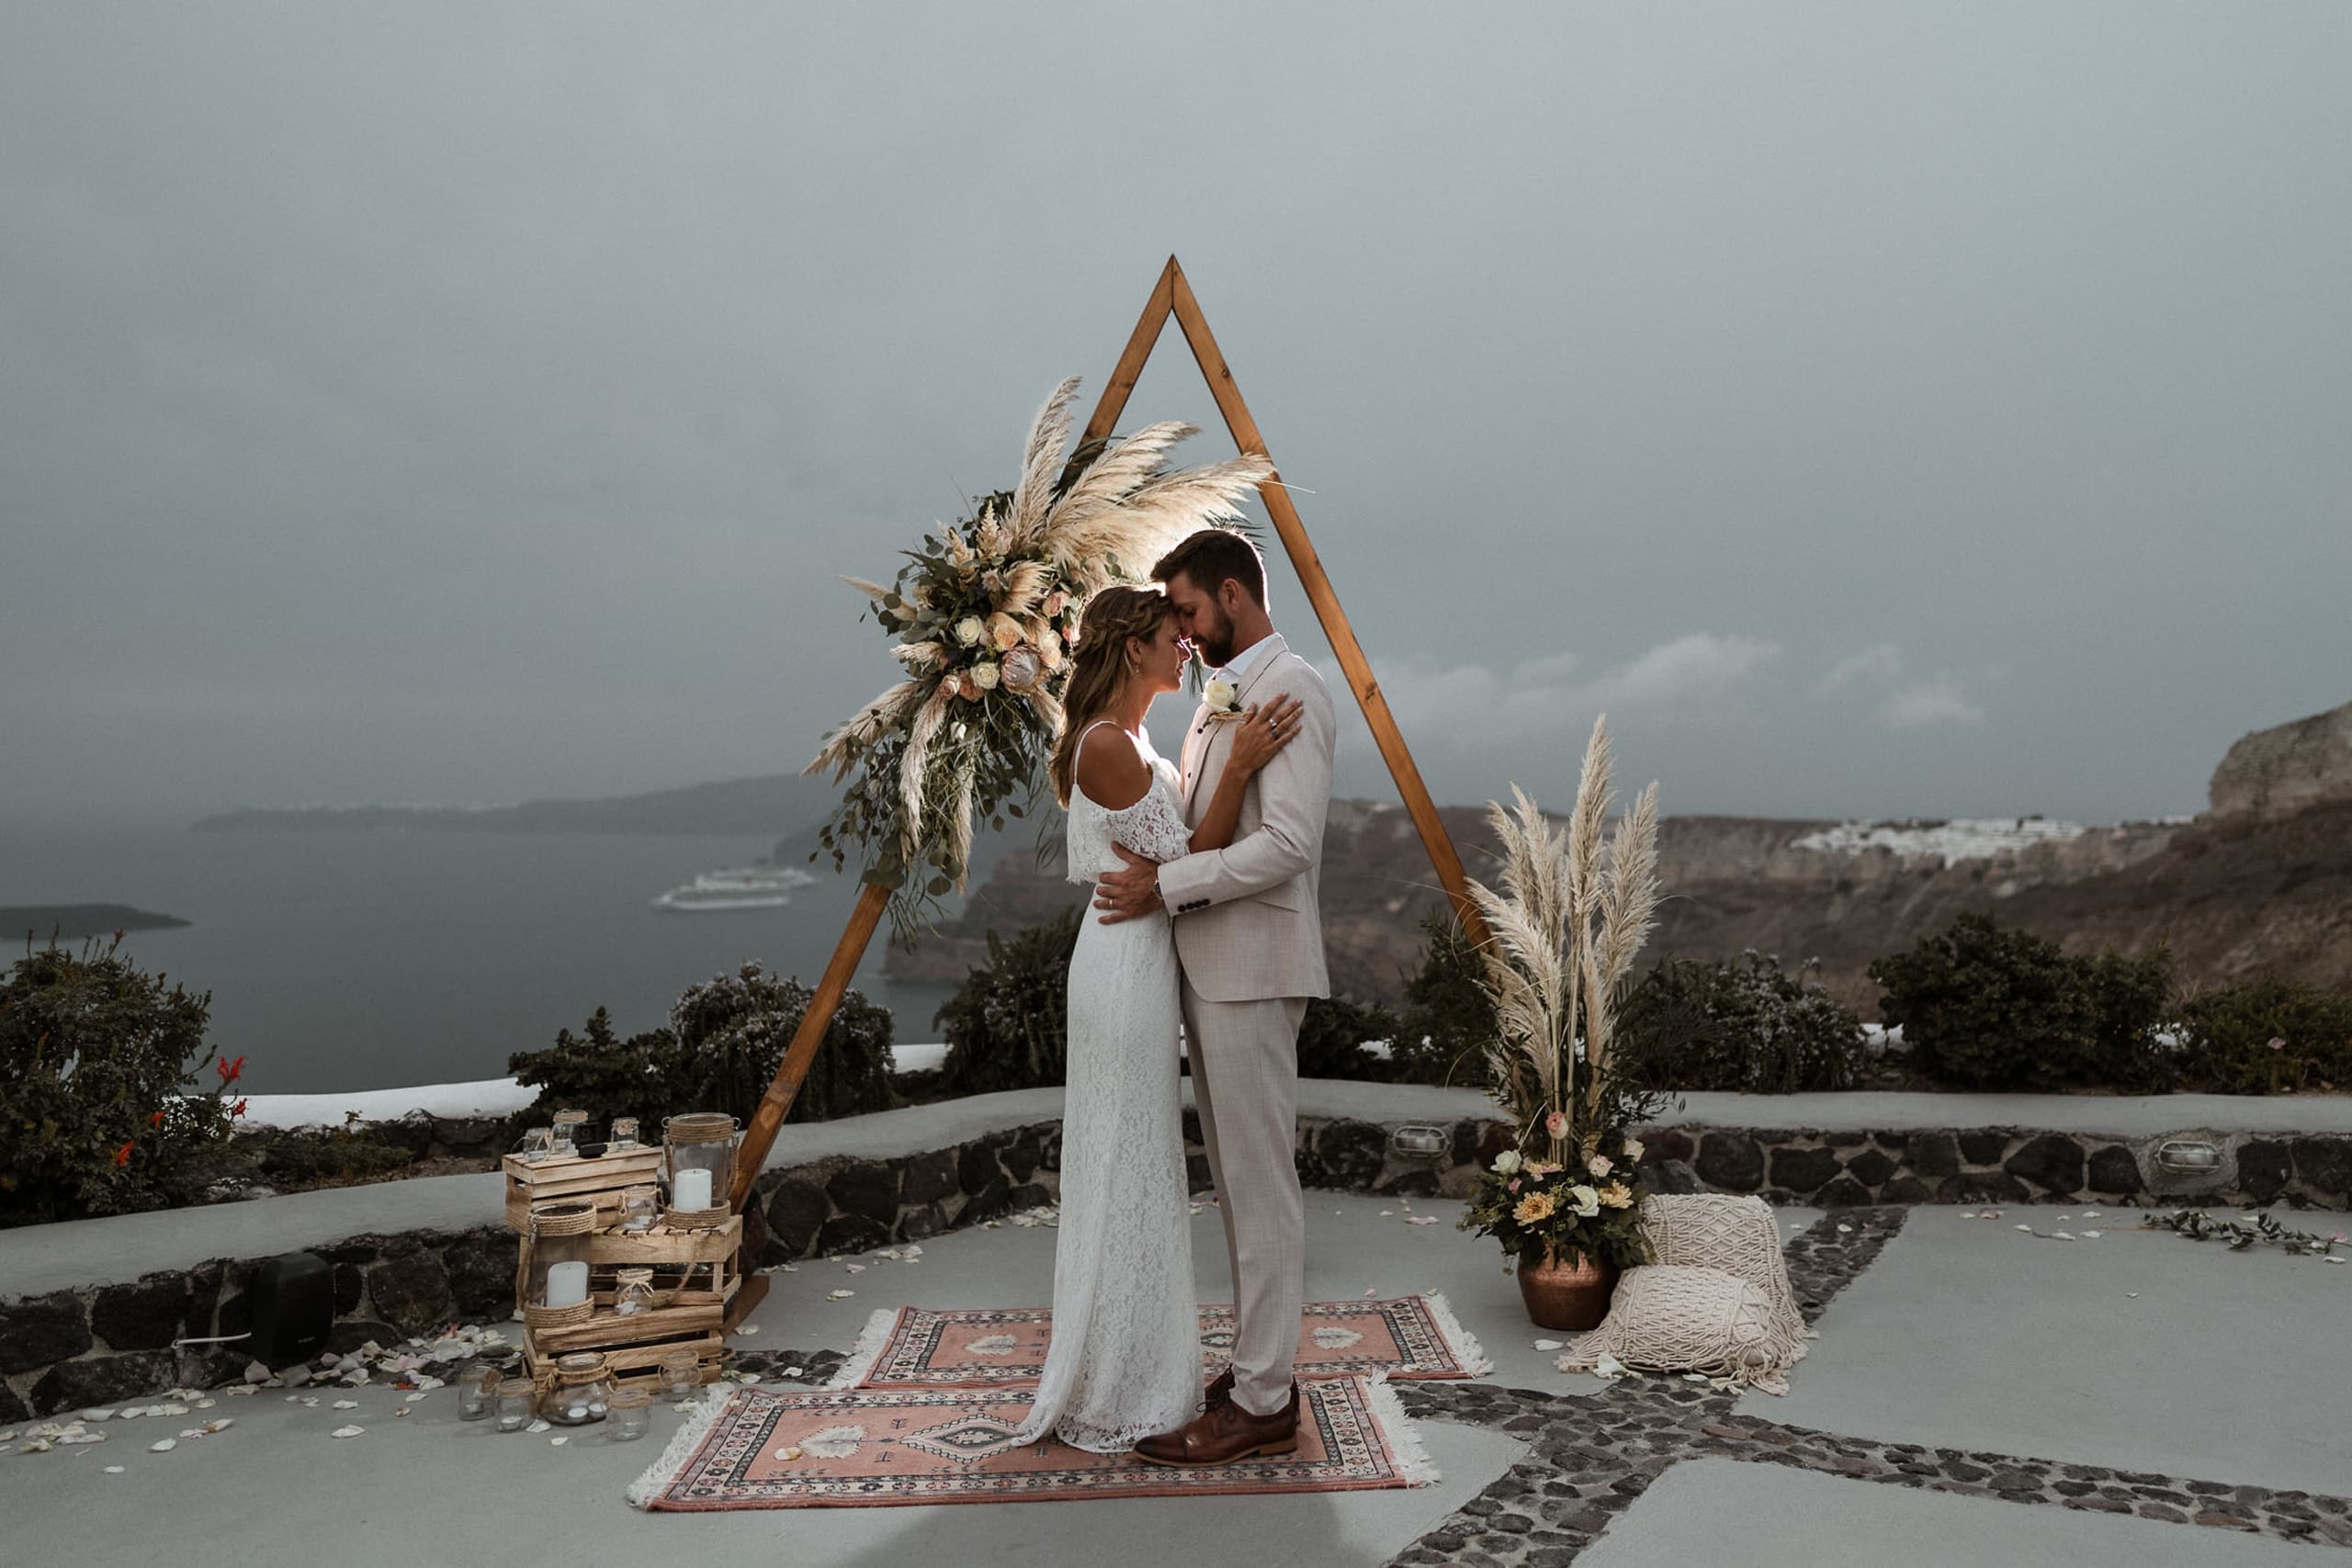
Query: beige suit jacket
(1249, 920)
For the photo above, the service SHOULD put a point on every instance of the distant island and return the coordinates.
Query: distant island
(775, 803)
(70, 922)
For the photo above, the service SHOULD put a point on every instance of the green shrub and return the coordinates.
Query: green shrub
(725, 1038)
(294, 1158)
(1746, 1026)
(105, 1106)
(1008, 1024)
(1331, 1037)
(1449, 1020)
(2266, 1036)
(1985, 1007)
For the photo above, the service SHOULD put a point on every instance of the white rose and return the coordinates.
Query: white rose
(1507, 1162)
(1599, 1165)
(969, 629)
(1049, 643)
(1584, 1200)
(1219, 694)
(984, 676)
(1634, 1151)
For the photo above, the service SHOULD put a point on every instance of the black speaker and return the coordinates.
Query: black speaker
(293, 1308)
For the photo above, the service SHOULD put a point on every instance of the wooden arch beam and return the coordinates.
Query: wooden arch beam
(1171, 296)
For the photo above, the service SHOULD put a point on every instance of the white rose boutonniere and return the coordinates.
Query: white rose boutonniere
(1223, 702)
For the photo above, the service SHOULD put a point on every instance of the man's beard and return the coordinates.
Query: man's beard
(1216, 646)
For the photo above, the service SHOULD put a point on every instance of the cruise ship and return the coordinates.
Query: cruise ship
(742, 887)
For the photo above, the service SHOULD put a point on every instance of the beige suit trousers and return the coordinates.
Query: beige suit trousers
(1245, 1085)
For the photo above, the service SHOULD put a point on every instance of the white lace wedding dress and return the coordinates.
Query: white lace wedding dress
(1125, 1359)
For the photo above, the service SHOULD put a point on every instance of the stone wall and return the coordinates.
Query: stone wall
(2005, 1165)
(74, 1348)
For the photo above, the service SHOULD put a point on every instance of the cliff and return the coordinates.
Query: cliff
(2266, 883)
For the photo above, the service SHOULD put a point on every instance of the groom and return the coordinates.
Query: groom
(1249, 937)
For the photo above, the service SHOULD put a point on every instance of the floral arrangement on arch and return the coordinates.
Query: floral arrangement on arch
(1571, 915)
(986, 614)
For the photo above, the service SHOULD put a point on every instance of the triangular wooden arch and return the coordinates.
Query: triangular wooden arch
(1171, 295)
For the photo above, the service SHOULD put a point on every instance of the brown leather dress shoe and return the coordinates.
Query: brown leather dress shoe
(1223, 1434)
(1220, 1389)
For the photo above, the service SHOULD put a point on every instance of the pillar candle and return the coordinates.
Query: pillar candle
(566, 1284)
(690, 1189)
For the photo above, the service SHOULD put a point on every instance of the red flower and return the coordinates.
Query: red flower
(122, 1154)
(230, 1071)
(156, 1120)
(240, 1110)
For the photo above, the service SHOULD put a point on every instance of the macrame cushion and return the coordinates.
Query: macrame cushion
(1669, 1317)
(1738, 1235)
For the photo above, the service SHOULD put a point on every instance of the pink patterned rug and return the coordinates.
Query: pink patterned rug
(756, 1448)
(911, 1347)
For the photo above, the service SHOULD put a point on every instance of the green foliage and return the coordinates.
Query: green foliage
(1331, 1037)
(1008, 1024)
(1985, 1007)
(101, 1107)
(2266, 1036)
(1590, 1209)
(1449, 1020)
(727, 1036)
(297, 1157)
(1746, 1026)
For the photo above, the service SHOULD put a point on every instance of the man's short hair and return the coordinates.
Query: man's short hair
(1212, 556)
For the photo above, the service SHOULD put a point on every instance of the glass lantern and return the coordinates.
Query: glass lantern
(629, 1416)
(478, 1391)
(640, 1207)
(583, 1391)
(624, 1138)
(700, 1161)
(537, 1145)
(681, 1375)
(561, 1238)
(567, 1133)
(517, 1403)
(634, 1294)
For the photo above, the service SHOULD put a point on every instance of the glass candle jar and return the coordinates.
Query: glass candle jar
(537, 1145)
(699, 1159)
(517, 1403)
(633, 1294)
(640, 1207)
(583, 1391)
(629, 1415)
(567, 1133)
(624, 1138)
(477, 1391)
(681, 1375)
(560, 1234)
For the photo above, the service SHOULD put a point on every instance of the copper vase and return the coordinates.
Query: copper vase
(1566, 1295)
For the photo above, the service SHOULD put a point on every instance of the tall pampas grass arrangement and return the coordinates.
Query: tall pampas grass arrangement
(1573, 906)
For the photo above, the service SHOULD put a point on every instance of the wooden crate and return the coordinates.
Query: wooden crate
(695, 1276)
(599, 1182)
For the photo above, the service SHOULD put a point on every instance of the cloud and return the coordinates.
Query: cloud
(1929, 703)
(1474, 705)
(1877, 665)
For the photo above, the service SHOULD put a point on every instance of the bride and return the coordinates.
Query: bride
(1125, 1357)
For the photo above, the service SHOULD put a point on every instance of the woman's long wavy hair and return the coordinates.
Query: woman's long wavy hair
(1100, 667)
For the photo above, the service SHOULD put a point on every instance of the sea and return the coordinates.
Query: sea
(343, 961)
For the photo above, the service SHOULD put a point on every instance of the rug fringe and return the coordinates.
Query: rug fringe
(1465, 1343)
(663, 1472)
(871, 1342)
(1400, 1432)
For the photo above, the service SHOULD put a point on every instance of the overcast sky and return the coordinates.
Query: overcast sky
(1878, 410)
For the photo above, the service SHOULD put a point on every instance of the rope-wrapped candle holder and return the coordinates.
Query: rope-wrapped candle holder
(551, 1277)
(699, 1152)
